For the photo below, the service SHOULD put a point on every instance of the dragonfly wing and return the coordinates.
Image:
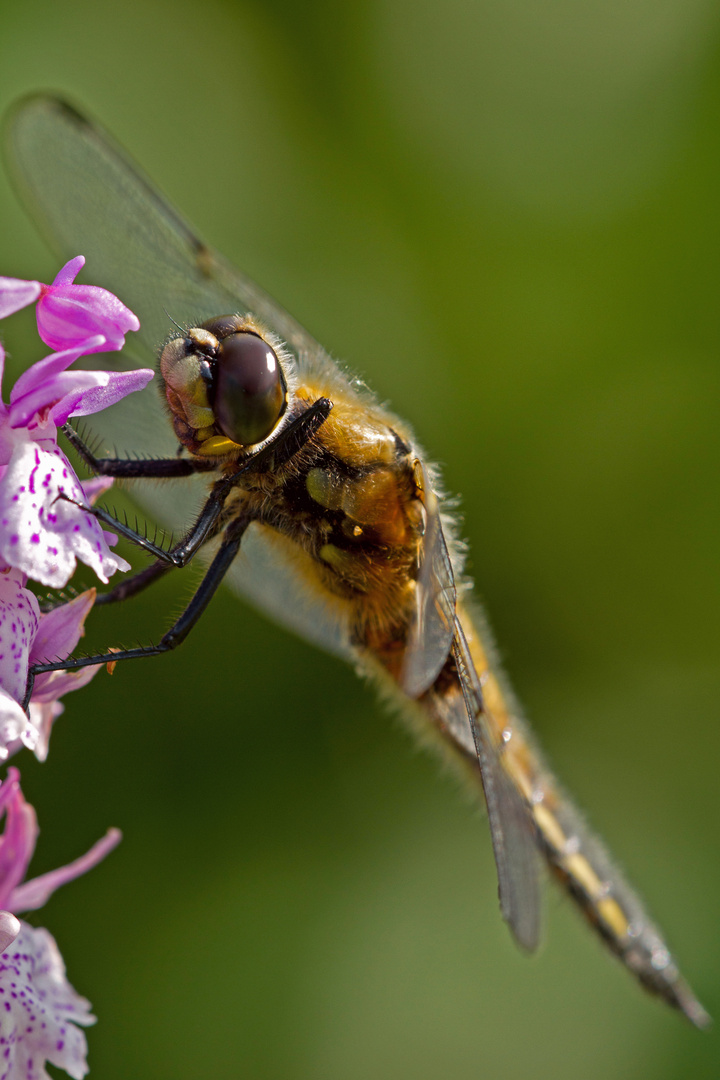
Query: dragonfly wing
(436, 631)
(431, 635)
(88, 198)
(511, 829)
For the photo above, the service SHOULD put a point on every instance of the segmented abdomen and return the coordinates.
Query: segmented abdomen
(576, 857)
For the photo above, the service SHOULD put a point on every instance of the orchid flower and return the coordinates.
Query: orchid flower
(39, 1010)
(42, 533)
(69, 314)
(28, 637)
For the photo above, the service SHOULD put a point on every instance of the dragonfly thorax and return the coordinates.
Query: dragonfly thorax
(224, 385)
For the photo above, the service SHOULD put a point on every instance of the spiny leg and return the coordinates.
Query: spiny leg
(180, 628)
(294, 437)
(131, 586)
(136, 469)
(123, 590)
(271, 456)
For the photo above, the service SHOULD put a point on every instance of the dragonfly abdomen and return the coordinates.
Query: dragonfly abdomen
(575, 856)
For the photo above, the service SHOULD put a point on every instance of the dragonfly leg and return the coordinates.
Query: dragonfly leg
(136, 468)
(180, 628)
(131, 586)
(271, 456)
(123, 590)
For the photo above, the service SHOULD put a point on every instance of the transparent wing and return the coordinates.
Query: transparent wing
(88, 198)
(436, 631)
(512, 832)
(431, 635)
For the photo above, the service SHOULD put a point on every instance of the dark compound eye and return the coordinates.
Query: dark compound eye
(249, 388)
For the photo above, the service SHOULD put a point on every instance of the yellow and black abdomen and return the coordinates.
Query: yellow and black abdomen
(576, 857)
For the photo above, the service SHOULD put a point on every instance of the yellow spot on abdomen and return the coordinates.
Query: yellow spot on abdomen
(611, 913)
(581, 871)
(549, 827)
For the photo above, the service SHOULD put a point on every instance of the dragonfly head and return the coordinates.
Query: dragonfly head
(224, 385)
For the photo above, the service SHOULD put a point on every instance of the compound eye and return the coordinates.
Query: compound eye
(249, 388)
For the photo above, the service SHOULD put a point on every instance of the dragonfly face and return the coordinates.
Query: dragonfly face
(224, 386)
(343, 534)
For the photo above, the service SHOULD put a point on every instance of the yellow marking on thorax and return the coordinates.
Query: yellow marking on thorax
(372, 501)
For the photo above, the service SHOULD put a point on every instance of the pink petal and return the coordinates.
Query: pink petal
(42, 373)
(45, 706)
(69, 271)
(96, 486)
(16, 294)
(35, 893)
(117, 385)
(52, 685)
(17, 842)
(69, 315)
(48, 385)
(63, 387)
(60, 629)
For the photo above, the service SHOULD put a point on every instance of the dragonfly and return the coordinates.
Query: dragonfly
(319, 507)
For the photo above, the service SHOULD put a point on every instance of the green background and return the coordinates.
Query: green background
(506, 216)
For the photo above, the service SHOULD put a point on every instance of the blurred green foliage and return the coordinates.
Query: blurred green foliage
(505, 217)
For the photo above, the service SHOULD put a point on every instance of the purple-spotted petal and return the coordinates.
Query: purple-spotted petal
(28, 637)
(39, 1011)
(42, 534)
(19, 621)
(16, 294)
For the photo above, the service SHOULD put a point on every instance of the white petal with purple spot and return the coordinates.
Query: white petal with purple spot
(39, 1011)
(41, 534)
(19, 622)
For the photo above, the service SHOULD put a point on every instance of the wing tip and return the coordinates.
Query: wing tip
(45, 100)
(526, 932)
(20, 117)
